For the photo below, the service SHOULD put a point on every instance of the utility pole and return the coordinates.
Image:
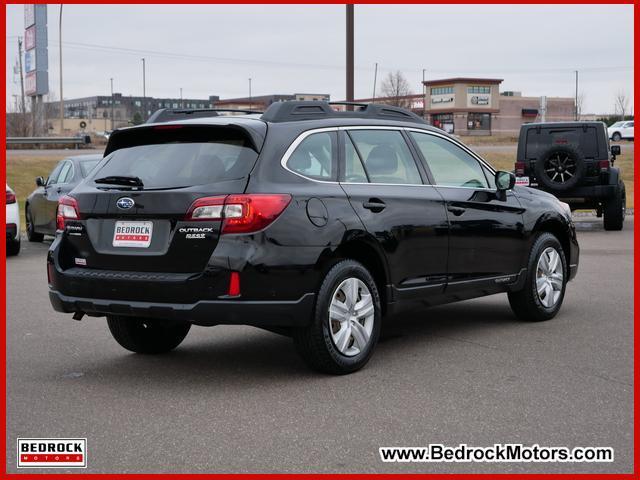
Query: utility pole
(250, 98)
(181, 103)
(350, 55)
(112, 105)
(144, 91)
(375, 78)
(22, 101)
(576, 95)
(61, 97)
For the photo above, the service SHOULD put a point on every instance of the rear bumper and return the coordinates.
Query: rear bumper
(295, 313)
(585, 194)
(12, 232)
(593, 191)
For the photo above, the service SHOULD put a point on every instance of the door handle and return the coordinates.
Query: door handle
(457, 211)
(375, 205)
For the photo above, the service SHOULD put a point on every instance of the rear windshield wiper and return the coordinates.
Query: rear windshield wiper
(121, 180)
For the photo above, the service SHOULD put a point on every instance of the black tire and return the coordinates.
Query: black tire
(32, 235)
(526, 303)
(616, 137)
(13, 247)
(315, 343)
(615, 209)
(142, 335)
(563, 176)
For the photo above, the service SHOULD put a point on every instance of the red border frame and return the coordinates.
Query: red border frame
(636, 300)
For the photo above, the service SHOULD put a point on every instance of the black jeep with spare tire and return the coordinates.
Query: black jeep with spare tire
(574, 162)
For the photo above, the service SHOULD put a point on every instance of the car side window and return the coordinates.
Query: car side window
(353, 169)
(53, 176)
(315, 157)
(630, 125)
(66, 173)
(386, 156)
(450, 165)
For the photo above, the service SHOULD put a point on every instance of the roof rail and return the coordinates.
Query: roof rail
(167, 115)
(292, 111)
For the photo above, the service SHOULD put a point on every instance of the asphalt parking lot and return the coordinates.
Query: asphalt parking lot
(236, 399)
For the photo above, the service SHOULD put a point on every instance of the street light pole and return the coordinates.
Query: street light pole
(112, 105)
(144, 91)
(375, 79)
(349, 54)
(576, 95)
(181, 103)
(60, 54)
(250, 98)
(424, 94)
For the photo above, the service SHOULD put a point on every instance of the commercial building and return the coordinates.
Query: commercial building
(263, 101)
(104, 112)
(476, 106)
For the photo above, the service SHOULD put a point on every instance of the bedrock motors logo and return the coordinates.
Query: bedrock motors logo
(52, 453)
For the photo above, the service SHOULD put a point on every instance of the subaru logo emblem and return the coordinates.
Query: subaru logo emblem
(125, 203)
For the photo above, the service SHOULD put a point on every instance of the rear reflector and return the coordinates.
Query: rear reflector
(11, 197)
(239, 213)
(234, 285)
(519, 168)
(67, 210)
(167, 127)
(604, 165)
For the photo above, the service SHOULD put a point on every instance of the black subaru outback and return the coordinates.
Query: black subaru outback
(574, 162)
(305, 221)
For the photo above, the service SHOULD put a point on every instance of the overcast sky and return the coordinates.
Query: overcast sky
(214, 49)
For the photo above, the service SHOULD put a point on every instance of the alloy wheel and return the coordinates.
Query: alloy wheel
(560, 167)
(549, 277)
(351, 317)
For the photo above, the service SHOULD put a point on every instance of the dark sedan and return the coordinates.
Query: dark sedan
(42, 204)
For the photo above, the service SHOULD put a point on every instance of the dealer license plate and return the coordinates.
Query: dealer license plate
(132, 234)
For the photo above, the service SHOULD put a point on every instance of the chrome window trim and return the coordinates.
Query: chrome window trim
(305, 134)
(296, 143)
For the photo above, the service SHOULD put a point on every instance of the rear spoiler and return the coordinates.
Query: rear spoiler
(159, 133)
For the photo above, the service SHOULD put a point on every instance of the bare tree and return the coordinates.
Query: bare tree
(395, 88)
(622, 103)
(580, 104)
(18, 121)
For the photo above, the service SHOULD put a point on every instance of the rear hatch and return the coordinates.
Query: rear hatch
(133, 207)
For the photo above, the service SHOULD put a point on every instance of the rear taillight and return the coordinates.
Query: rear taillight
(604, 165)
(519, 168)
(11, 197)
(240, 213)
(67, 210)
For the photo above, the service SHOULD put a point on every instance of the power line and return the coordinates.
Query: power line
(254, 62)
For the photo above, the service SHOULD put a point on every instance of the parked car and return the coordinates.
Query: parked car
(12, 221)
(574, 162)
(305, 221)
(621, 130)
(41, 206)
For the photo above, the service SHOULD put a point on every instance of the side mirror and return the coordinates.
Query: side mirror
(615, 150)
(40, 181)
(505, 180)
